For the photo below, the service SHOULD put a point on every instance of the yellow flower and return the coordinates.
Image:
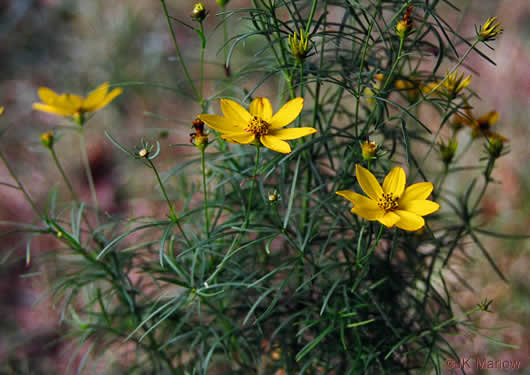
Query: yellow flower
(454, 83)
(490, 30)
(241, 127)
(391, 204)
(482, 125)
(73, 105)
(369, 150)
(1, 110)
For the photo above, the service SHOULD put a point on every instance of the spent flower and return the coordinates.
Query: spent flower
(391, 204)
(404, 26)
(199, 138)
(258, 124)
(70, 105)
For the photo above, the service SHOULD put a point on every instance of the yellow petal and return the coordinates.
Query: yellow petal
(235, 112)
(261, 107)
(368, 182)
(110, 97)
(1, 110)
(409, 221)
(389, 219)
(369, 211)
(421, 190)
(489, 118)
(354, 197)
(420, 207)
(395, 182)
(275, 144)
(95, 97)
(240, 138)
(70, 101)
(52, 109)
(48, 96)
(287, 114)
(292, 133)
(221, 124)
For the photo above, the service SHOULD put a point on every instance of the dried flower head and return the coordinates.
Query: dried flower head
(489, 30)
(199, 138)
(404, 26)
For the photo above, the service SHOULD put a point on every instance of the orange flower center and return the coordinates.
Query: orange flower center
(257, 126)
(388, 202)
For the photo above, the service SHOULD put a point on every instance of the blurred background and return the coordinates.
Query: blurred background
(74, 45)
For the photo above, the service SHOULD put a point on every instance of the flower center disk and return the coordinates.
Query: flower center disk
(257, 126)
(388, 202)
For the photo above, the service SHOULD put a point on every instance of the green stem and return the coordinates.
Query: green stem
(68, 184)
(237, 240)
(179, 55)
(172, 215)
(311, 15)
(247, 213)
(88, 172)
(203, 47)
(205, 192)
(21, 187)
(63, 174)
(361, 67)
(389, 76)
(375, 243)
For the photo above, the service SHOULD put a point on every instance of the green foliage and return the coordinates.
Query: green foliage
(235, 282)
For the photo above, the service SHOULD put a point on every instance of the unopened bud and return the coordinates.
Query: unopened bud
(47, 139)
(369, 150)
(143, 153)
(199, 12)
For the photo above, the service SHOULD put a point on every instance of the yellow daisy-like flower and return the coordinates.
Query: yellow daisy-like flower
(482, 125)
(490, 30)
(391, 204)
(241, 127)
(73, 105)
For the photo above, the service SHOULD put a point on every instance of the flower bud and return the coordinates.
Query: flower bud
(222, 3)
(299, 45)
(404, 26)
(495, 147)
(369, 150)
(199, 12)
(448, 151)
(47, 139)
